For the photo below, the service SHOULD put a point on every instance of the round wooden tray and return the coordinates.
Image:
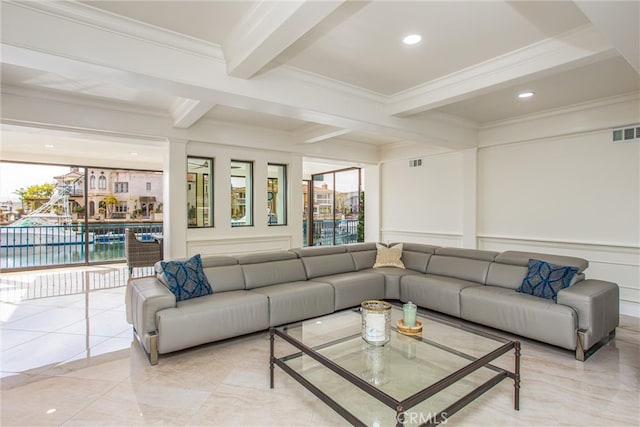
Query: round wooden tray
(409, 330)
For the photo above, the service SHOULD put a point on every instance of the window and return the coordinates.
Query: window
(102, 181)
(199, 198)
(241, 193)
(337, 208)
(92, 181)
(148, 186)
(277, 194)
(121, 187)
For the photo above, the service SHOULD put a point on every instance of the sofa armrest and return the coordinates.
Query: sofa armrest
(148, 296)
(597, 303)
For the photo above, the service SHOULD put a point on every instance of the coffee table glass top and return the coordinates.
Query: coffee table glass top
(401, 370)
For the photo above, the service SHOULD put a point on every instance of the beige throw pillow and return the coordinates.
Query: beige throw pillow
(389, 257)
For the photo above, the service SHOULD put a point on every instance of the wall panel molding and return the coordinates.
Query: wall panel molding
(617, 263)
(426, 237)
(239, 245)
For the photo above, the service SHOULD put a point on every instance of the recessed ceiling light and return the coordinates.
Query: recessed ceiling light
(133, 153)
(412, 39)
(525, 95)
(48, 146)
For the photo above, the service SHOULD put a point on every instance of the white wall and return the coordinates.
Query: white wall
(577, 194)
(224, 239)
(573, 192)
(576, 188)
(423, 204)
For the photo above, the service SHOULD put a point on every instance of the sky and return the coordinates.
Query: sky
(14, 176)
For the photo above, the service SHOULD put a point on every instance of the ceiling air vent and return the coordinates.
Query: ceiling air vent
(415, 163)
(626, 134)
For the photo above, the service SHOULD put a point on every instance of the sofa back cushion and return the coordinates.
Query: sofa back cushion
(415, 256)
(363, 254)
(270, 268)
(460, 268)
(510, 275)
(468, 253)
(505, 275)
(325, 261)
(522, 259)
(223, 273)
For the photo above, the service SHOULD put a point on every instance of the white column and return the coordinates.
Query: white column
(469, 198)
(175, 199)
(371, 188)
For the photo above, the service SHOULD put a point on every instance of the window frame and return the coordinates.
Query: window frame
(248, 194)
(280, 193)
(195, 181)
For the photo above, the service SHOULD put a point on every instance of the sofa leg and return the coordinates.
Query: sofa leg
(152, 355)
(583, 355)
(153, 344)
(580, 346)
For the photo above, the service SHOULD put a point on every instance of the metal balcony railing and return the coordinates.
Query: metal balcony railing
(345, 231)
(39, 246)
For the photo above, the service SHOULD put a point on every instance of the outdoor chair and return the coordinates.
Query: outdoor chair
(140, 254)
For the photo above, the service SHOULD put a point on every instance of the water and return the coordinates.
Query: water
(23, 247)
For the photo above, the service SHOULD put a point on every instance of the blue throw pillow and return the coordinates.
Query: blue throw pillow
(186, 279)
(545, 279)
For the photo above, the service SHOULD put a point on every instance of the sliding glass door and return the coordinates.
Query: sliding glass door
(334, 200)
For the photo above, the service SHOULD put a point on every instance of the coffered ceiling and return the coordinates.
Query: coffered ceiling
(323, 71)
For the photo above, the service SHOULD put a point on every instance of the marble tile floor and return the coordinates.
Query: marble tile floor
(70, 360)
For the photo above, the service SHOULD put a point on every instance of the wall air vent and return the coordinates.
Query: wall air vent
(415, 163)
(627, 134)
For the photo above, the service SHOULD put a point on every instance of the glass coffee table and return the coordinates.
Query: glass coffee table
(412, 380)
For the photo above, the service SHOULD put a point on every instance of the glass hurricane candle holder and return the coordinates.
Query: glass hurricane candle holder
(376, 322)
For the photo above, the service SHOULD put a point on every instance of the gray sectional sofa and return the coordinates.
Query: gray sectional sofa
(255, 291)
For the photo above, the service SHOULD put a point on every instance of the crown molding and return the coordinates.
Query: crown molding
(94, 17)
(86, 133)
(588, 105)
(98, 18)
(75, 100)
(580, 43)
(331, 84)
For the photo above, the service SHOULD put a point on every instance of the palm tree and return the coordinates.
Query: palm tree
(110, 201)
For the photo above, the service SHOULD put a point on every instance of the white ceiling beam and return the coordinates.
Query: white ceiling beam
(568, 50)
(185, 112)
(317, 132)
(160, 66)
(21, 109)
(619, 21)
(268, 29)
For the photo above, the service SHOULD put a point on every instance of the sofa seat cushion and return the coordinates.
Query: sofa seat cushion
(522, 314)
(392, 279)
(290, 302)
(434, 292)
(350, 289)
(210, 318)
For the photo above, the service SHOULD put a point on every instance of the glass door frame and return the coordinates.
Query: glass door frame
(310, 207)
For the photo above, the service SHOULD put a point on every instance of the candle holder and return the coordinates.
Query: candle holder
(376, 322)
(409, 313)
(409, 330)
